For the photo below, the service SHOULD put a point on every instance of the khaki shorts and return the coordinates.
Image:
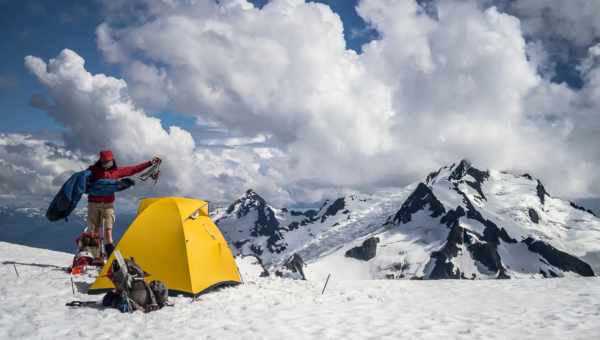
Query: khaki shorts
(100, 214)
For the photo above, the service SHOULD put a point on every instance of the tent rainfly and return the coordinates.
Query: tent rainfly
(174, 240)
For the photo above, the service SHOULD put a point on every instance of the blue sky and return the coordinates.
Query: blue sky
(44, 28)
(40, 28)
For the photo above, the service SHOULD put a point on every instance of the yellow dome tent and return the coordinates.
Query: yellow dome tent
(174, 240)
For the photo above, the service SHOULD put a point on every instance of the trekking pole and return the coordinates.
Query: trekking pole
(16, 271)
(72, 285)
(325, 286)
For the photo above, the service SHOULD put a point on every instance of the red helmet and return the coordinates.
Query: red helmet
(106, 155)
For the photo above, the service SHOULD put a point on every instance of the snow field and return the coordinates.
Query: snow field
(32, 306)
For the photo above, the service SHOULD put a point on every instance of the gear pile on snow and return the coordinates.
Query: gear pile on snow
(132, 292)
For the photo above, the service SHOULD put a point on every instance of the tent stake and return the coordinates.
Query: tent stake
(325, 286)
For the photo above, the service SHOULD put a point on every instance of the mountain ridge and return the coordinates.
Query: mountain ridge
(459, 222)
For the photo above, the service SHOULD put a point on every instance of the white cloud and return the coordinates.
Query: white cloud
(429, 92)
(459, 84)
(575, 20)
(98, 113)
(33, 166)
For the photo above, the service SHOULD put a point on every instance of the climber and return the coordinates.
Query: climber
(101, 209)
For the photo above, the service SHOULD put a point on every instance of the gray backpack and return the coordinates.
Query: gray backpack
(132, 292)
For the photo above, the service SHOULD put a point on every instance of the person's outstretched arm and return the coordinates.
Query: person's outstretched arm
(131, 170)
(134, 169)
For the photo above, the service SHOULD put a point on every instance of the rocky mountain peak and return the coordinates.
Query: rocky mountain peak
(250, 200)
(420, 199)
(458, 172)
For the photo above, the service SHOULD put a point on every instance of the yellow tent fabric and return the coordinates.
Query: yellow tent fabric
(175, 241)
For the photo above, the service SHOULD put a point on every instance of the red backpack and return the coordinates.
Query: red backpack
(89, 253)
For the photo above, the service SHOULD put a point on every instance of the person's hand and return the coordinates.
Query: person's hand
(156, 160)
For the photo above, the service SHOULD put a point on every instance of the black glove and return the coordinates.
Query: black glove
(125, 183)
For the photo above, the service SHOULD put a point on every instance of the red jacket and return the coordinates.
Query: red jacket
(98, 172)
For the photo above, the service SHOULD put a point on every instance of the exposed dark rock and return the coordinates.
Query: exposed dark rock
(308, 213)
(266, 223)
(480, 177)
(432, 176)
(465, 168)
(295, 265)
(333, 209)
(503, 276)
(443, 268)
(533, 216)
(492, 233)
(487, 254)
(541, 192)
(482, 251)
(558, 258)
(366, 251)
(421, 197)
(452, 218)
(549, 274)
(505, 237)
(246, 203)
(256, 249)
(528, 176)
(239, 244)
(402, 266)
(460, 170)
(483, 248)
(578, 207)
(265, 272)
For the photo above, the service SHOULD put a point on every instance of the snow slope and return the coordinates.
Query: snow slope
(33, 307)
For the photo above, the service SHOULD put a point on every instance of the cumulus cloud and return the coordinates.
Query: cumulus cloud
(428, 92)
(97, 113)
(31, 167)
(575, 21)
(560, 32)
(459, 81)
(315, 116)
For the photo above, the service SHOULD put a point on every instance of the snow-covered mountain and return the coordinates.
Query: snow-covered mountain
(254, 227)
(460, 222)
